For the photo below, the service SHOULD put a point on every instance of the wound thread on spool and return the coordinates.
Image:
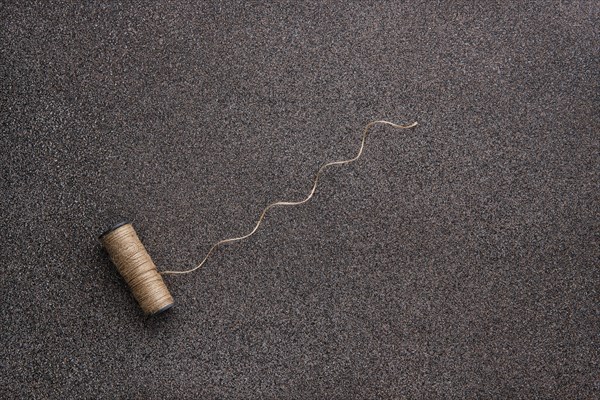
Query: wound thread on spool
(137, 268)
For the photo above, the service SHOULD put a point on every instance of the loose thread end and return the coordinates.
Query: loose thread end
(367, 127)
(404, 126)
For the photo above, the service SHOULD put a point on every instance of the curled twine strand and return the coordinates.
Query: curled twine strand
(293, 203)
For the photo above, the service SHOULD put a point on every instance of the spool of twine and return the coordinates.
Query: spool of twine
(137, 268)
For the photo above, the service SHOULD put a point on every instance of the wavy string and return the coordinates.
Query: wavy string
(292, 203)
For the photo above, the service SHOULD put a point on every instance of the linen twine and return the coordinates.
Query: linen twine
(137, 269)
(293, 203)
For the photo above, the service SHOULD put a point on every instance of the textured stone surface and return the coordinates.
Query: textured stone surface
(459, 259)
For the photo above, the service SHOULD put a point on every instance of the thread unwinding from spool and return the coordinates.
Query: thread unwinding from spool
(137, 268)
(294, 203)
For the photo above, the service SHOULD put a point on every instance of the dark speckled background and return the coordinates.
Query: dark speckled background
(456, 260)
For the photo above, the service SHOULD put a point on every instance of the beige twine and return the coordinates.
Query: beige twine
(137, 268)
(293, 203)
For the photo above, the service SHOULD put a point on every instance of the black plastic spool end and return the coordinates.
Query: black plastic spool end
(113, 227)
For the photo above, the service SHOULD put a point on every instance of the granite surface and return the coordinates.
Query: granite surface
(456, 260)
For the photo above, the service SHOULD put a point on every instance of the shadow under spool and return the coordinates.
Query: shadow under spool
(137, 268)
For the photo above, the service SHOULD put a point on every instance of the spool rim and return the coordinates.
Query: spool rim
(162, 310)
(113, 227)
